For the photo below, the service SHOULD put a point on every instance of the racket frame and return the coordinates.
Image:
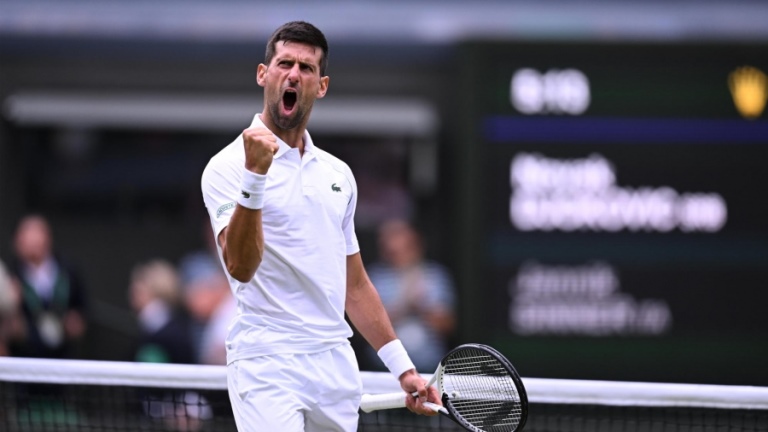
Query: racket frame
(505, 363)
(397, 400)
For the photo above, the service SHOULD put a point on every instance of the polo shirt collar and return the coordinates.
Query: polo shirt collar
(309, 146)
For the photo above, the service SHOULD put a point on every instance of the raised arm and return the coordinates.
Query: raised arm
(242, 241)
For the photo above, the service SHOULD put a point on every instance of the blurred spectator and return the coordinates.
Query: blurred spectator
(155, 297)
(418, 294)
(10, 318)
(209, 300)
(52, 296)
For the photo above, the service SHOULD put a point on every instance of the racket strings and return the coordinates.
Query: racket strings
(481, 390)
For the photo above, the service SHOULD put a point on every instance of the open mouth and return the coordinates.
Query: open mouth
(289, 100)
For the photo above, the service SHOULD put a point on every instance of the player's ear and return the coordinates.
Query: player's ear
(324, 81)
(261, 72)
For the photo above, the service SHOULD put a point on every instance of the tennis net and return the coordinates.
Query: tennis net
(72, 395)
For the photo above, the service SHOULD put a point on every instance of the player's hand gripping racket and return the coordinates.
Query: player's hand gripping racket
(479, 388)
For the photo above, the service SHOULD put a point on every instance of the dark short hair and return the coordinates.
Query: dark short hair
(302, 32)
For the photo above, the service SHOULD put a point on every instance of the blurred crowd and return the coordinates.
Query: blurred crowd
(182, 310)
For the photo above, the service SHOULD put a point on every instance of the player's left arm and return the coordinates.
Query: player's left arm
(367, 313)
(364, 307)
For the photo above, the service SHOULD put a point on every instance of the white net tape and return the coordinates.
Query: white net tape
(540, 390)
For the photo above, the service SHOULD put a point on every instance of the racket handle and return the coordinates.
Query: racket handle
(382, 401)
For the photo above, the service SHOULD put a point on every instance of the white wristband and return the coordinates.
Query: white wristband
(252, 190)
(395, 358)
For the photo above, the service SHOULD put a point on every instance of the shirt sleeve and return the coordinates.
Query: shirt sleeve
(220, 185)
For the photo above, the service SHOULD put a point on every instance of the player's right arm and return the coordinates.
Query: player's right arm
(242, 241)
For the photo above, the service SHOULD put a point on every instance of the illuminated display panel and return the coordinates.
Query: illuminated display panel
(617, 198)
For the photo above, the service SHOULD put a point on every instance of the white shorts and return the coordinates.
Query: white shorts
(296, 392)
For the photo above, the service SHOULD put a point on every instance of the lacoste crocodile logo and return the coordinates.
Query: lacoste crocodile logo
(245, 194)
(335, 188)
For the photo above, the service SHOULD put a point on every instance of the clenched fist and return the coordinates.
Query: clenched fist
(260, 147)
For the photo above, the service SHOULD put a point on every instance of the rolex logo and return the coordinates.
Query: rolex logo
(749, 89)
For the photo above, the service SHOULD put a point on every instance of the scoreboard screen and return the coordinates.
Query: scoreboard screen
(612, 205)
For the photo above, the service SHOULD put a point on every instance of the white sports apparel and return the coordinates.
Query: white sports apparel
(296, 392)
(295, 302)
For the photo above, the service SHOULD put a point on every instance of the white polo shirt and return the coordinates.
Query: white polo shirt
(295, 302)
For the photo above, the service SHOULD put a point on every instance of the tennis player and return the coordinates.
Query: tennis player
(282, 211)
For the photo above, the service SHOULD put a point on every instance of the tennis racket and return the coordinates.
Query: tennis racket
(479, 388)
